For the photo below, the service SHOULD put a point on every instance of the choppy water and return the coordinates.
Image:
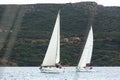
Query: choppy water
(33, 73)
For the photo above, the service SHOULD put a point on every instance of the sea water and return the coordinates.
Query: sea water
(33, 73)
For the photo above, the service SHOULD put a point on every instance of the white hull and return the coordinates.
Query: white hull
(84, 69)
(52, 70)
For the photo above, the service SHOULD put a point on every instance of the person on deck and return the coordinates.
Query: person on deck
(89, 65)
(41, 66)
(58, 65)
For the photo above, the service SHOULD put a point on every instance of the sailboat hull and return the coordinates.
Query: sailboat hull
(52, 70)
(84, 69)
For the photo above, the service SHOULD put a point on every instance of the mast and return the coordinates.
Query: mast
(58, 39)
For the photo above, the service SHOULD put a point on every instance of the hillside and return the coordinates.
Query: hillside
(38, 22)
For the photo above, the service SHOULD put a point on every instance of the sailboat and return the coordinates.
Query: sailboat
(52, 57)
(85, 60)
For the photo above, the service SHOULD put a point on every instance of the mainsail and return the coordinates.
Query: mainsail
(53, 52)
(87, 52)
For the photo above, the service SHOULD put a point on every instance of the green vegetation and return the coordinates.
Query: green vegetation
(1, 11)
(38, 22)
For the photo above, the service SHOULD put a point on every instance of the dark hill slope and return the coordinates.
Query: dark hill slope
(38, 22)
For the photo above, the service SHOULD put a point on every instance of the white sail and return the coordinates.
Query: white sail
(53, 52)
(87, 52)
